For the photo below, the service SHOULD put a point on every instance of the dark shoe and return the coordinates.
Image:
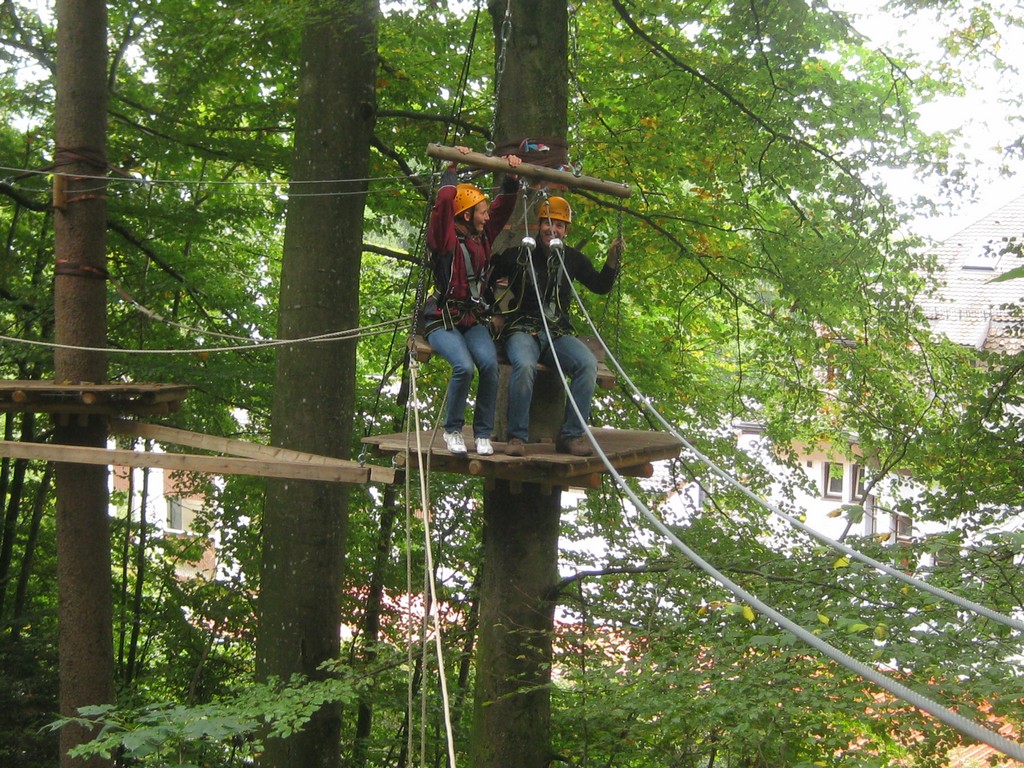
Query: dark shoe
(577, 446)
(515, 447)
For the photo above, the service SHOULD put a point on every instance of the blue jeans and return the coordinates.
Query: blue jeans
(462, 348)
(524, 351)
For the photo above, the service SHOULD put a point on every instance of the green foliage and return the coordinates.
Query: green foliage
(28, 692)
(766, 279)
(226, 731)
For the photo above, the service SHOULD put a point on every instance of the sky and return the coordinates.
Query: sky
(984, 114)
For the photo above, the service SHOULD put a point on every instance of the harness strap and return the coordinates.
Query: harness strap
(473, 280)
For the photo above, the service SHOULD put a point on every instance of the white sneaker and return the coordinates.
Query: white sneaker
(484, 447)
(453, 442)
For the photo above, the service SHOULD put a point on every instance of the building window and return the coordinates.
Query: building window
(870, 521)
(902, 527)
(175, 514)
(859, 483)
(984, 256)
(834, 473)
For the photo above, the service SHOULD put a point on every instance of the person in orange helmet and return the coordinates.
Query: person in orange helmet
(526, 342)
(463, 224)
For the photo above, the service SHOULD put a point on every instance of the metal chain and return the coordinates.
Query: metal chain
(577, 97)
(499, 70)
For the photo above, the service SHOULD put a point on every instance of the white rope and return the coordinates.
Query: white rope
(348, 334)
(203, 182)
(429, 564)
(941, 713)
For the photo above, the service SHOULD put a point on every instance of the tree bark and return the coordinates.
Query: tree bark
(512, 701)
(130, 667)
(11, 489)
(38, 508)
(83, 528)
(304, 523)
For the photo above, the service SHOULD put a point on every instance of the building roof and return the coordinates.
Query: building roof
(970, 309)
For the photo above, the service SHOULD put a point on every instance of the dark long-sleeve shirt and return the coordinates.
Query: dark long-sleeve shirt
(523, 312)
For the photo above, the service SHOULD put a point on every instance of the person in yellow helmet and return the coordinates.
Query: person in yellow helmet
(554, 265)
(462, 227)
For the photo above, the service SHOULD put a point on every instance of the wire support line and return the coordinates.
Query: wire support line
(429, 566)
(346, 335)
(958, 722)
(838, 546)
(142, 180)
(282, 195)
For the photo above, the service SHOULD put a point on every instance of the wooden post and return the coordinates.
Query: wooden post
(530, 171)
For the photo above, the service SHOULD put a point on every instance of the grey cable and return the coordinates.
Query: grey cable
(958, 722)
(774, 509)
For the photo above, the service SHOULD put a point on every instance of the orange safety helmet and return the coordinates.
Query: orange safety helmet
(555, 208)
(466, 196)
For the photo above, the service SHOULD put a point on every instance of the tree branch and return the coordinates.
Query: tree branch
(9, 190)
(761, 122)
(408, 258)
(567, 582)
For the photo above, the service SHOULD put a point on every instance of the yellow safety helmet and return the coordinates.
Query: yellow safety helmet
(466, 196)
(555, 208)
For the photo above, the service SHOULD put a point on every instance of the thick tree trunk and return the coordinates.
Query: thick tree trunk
(304, 523)
(511, 716)
(83, 528)
(511, 722)
(533, 93)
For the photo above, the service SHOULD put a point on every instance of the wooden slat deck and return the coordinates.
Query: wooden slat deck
(43, 396)
(631, 452)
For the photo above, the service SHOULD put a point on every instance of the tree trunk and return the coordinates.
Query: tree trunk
(512, 707)
(533, 98)
(371, 619)
(83, 528)
(304, 523)
(38, 508)
(130, 667)
(11, 488)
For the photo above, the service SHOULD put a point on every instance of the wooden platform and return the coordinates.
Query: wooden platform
(631, 452)
(111, 399)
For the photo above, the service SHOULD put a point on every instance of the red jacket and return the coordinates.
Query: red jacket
(451, 302)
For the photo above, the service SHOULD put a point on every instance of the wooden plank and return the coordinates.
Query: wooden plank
(212, 465)
(530, 171)
(631, 452)
(43, 396)
(242, 448)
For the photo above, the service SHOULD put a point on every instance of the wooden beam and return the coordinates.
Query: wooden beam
(530, 171)
(175, 436)
(212, 465)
